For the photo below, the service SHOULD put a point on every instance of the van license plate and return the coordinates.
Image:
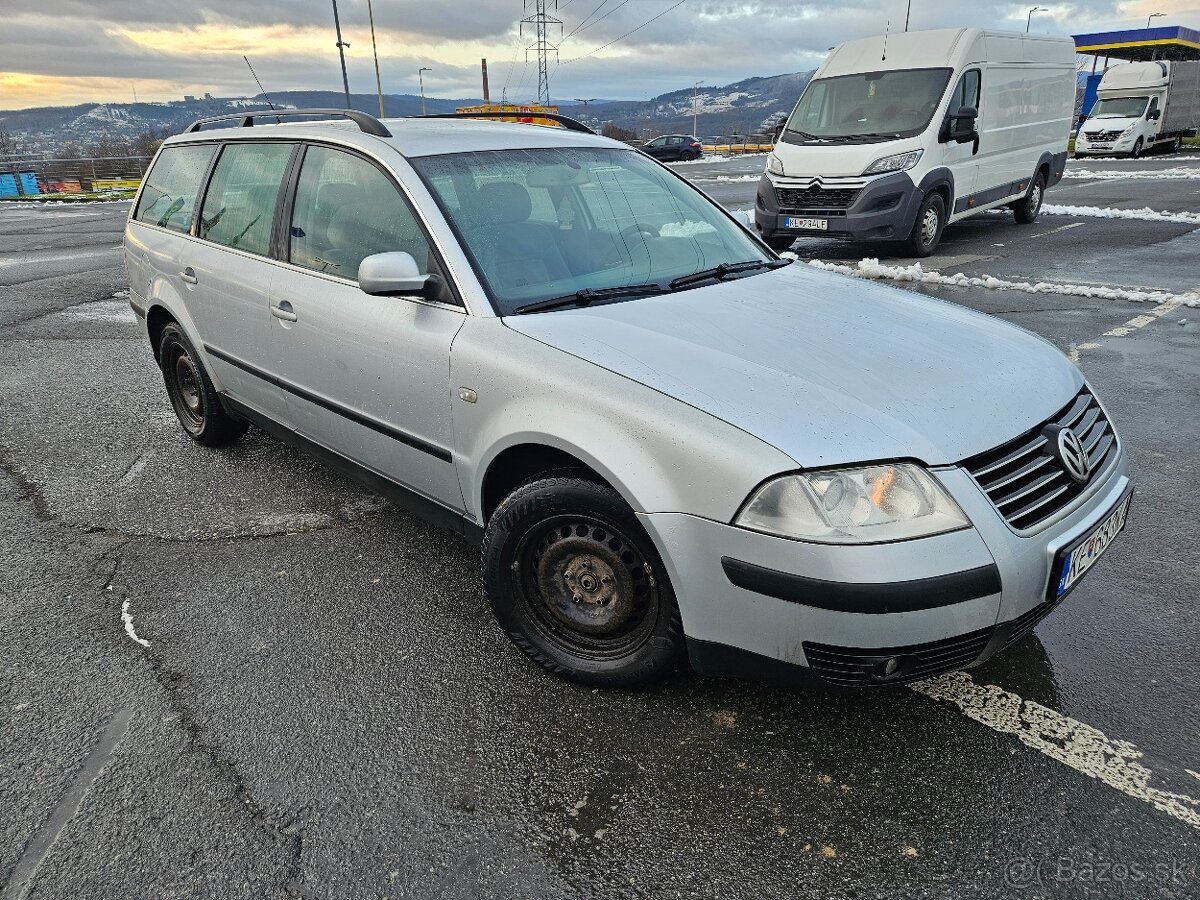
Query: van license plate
(806, 224)
(1076, 561)
(1100, 147)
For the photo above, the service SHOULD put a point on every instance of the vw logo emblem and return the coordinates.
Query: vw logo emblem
(1070, 452)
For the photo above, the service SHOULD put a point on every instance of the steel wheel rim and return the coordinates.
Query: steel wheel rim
(929, 226)
(1036, 198)
(582, 556)
(187, 393)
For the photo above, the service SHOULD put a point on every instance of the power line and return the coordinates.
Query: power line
(582, 22)
(628, 33)
(583, 28)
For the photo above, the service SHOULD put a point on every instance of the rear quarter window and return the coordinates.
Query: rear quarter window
(169, 195)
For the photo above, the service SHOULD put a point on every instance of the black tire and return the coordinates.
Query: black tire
(1136, 152)
(687, 156)
(195, 400)
(560, 537)
(1026, 210)
(779, 242)
(927, 231)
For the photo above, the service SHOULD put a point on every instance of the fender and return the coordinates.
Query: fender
(934, 178)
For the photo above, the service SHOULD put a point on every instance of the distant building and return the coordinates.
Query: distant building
(208, 96)
(189, 98)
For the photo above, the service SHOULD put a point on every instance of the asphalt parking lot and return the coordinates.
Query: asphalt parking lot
(234, 674)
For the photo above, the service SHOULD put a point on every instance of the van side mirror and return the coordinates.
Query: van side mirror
(382, 274)
(962, 125)
(1154, 115)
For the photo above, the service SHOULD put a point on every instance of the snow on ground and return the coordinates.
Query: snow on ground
(1176, 172)
(1145, 214)
(716, 158)
(873, 270)
(728, 179)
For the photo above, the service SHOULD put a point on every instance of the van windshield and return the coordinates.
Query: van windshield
(1120, 108)
(868, 107)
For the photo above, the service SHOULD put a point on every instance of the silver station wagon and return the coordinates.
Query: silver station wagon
(670, 443)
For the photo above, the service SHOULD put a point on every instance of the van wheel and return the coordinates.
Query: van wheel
(192, 394)
(1026, 210)
(779, 242)
(1136, 152)
(577, 585)
(927, 230)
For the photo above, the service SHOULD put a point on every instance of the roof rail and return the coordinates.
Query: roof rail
(367, 123)
(565, 121)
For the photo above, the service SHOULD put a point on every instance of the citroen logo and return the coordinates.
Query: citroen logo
(1074, 459)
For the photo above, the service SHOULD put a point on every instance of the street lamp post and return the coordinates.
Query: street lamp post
(1154, 16)
(375, 53)
(421, 78)
(341, 45)
(1029, 18)
(695, 88)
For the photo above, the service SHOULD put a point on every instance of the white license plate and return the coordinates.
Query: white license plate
(1076, 561)
(806, 224)
(1099, 146)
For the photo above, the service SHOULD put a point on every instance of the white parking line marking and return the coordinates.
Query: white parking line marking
(127, 618)
(1083, 748)
(1143, 320)
(1057, 230)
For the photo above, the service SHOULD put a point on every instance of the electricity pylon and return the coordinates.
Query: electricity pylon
(541, 22)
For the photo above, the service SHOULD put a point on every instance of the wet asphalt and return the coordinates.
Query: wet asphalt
(324, 707)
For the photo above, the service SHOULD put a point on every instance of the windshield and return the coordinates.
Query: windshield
(551, 223)
(870, 106)
(1120, 108)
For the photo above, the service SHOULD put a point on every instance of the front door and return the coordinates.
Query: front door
(365, 376)
(962, 159)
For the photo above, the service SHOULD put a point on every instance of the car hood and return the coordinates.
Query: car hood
(827, 369)
(1109, 123)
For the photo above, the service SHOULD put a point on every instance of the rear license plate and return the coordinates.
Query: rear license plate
(1075, 562)
(805, 224)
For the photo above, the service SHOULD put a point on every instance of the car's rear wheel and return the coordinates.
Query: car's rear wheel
(577, 585)
(192, 394)
(687, 156)
(927, 230)
(1026, 210)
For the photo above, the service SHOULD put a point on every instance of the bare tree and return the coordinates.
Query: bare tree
(9, 145)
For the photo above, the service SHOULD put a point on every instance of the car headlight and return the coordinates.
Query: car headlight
(898, 162)
(891, 502)
(1128, 131)
(774, 164)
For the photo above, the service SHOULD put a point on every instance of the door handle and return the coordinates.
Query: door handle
(283, 311)
(188, 276)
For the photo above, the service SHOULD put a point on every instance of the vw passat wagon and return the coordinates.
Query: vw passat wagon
(670, 443)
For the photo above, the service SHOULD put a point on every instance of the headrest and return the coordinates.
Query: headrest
(504, 202)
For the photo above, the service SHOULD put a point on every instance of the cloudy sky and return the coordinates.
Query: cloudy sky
(69, 51)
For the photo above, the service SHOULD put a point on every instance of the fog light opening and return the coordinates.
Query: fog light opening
(894, 667)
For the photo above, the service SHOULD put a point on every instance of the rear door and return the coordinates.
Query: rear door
(365, 376)
(231, 269)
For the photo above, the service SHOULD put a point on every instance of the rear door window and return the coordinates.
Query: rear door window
(239, 207)
(169, 195)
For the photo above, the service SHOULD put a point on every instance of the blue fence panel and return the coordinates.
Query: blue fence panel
(8, 185)
(29, 183)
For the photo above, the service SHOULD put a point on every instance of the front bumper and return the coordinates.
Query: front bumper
(884, 209)
(754, 605)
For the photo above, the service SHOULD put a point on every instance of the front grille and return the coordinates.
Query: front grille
(855, 667)
(817, 199)
(1024, 624)
(1024, 479)
(1102, 135)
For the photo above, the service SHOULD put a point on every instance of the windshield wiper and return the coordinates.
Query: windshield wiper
(724, 270)
(588, 296)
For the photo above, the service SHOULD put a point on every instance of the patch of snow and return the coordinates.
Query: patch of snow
(873, 270)
(1145, 214)
(728, 179)
(1175, 172)
(685, 229)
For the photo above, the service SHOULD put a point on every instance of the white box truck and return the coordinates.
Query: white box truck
(895, 137)
(1142, 105)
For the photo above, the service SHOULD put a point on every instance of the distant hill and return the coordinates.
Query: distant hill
(743, 107)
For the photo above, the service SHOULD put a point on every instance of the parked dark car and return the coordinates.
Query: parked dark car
(672, 147)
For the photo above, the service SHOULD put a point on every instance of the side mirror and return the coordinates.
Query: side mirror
(392, 273)
(962, 125)
(1154, 115)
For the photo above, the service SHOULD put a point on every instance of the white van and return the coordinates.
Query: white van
(895, 137)
(1140, 106)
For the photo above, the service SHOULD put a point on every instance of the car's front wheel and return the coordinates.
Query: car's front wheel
(1026, 210)
(927, 230)
(192, 393)
(577, 585)
(1136, 152)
